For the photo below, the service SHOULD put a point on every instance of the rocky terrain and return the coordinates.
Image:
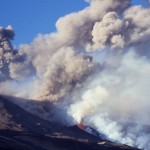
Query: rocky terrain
(21, 130)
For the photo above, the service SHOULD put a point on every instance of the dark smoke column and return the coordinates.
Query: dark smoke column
(6, 51)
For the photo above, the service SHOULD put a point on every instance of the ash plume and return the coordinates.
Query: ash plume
(6, 51)
(95, 67)
(11, 60)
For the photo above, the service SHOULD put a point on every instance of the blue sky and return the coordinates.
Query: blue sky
(30, 17)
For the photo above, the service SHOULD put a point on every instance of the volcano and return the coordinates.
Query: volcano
(19, 129)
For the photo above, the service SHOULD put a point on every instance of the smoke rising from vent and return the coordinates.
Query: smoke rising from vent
(98, 69)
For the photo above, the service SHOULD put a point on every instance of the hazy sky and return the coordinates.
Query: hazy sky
(30, 17)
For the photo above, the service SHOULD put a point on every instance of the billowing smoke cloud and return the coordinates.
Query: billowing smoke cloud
(6, 51)
(114, 97)
(11, 61)
(118, 32)
(96, 67)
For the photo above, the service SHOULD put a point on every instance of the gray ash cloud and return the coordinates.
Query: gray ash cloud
(95, 67)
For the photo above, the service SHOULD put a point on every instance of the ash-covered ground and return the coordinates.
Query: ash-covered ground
(21, 130)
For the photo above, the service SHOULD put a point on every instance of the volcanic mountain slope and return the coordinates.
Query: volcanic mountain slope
(21, 130)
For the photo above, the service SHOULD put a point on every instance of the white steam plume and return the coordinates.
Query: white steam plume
(96, 66)
(114, 96)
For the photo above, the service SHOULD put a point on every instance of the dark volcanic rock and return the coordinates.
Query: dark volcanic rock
(21, 130)
(29, 141)
(15, 118)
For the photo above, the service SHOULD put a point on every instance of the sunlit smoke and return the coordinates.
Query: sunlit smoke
(96, 67)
